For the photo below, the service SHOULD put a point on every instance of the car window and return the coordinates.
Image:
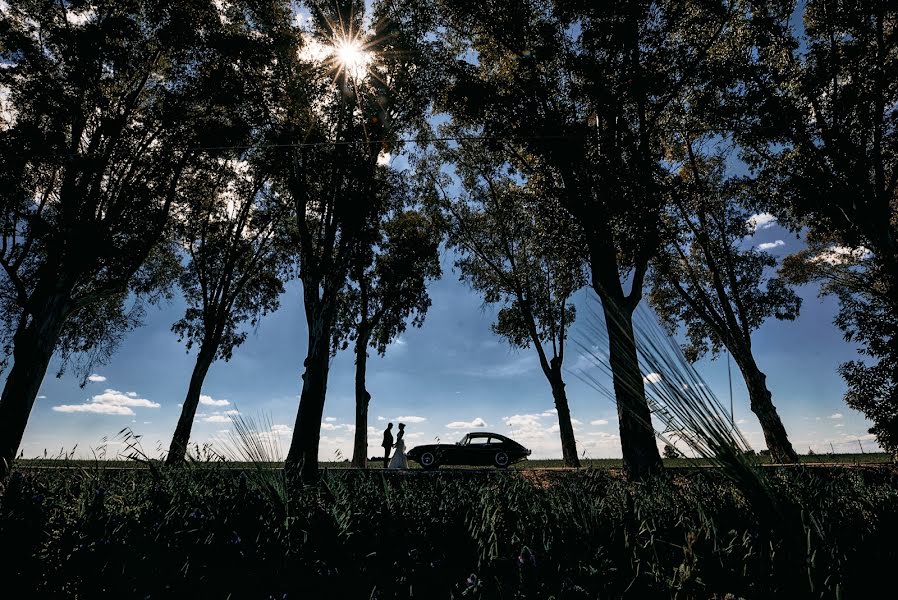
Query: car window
(479, 440)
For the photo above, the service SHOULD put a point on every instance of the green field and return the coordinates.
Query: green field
(598, 463)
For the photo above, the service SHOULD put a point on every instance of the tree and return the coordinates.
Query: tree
(334, 175)
(108, 105)
(818, 124)
(388, 285)
(671, 452)
(233, 232)
(583, 92)
(519, 249)
(707, 282)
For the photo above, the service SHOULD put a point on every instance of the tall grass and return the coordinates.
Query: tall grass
(254, 442)
(683, 406)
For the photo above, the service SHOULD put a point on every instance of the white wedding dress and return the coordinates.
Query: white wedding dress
(399, 461)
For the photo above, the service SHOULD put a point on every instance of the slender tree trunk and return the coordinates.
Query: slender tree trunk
(637, 435)
(566, 428)
(362, 398)
(33, 348)
(303, 453)
(178, 448)
(762, 405)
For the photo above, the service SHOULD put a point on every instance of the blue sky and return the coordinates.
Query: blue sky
(442, 380)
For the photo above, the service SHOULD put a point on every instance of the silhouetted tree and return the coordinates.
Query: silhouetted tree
(519, 248)
(334, 176)
(705, 280)
(107, 106)
(671, 452)
(820, 126)
(583, 92)
(387, 287)
(233, 230)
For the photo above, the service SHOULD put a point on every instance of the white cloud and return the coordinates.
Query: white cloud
(532, 431)
(93, 377)
(281, 429)
(411, 419)
(652, 378)
(210, 401)
(476, 423)
(330, 419)
(41, 397)
(599, 422)
(117, 398)
(102, 409)
(549, 413)
(381, 419)
(836, 416)
(384, 158)
(771, 245)
(328, 426)
(231, 412)
(110, 402)
(837, 255)
(217, 419)
(741, 422)
(839, 425)
(761, 221)
(529, 421)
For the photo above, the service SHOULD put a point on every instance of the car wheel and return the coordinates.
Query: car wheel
(428, 461)
(501, 459)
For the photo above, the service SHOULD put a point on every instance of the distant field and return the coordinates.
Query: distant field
(597, 463)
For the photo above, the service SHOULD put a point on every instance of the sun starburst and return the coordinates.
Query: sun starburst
(350, 57)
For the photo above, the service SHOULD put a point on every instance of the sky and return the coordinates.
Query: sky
(443, 380)
(449, 377)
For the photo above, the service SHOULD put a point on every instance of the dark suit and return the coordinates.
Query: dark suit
(387, 445)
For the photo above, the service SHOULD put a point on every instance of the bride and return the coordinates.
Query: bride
(399, 461)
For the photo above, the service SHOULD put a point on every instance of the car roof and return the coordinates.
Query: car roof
(486, 434)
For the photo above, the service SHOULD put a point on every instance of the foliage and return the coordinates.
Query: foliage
(104, 106)
(518, 247)
(704, 278)
(388, 282)
(234, 231)
(671, 452)
(866, 318)
(818, 124)
(212, 532)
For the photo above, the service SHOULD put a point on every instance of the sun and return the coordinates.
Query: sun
(351, 57)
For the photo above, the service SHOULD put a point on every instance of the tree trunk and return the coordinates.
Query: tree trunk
(303, 454)
(33, 348)
(178, 448)
(362, 397)
(566, 428)
(762, 405)
(637, 435)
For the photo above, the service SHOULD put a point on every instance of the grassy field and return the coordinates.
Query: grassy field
(85, 531)
(600, 463)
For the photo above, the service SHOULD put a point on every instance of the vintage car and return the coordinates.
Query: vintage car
(481, 448)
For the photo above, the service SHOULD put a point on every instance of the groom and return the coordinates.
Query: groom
(387, 443)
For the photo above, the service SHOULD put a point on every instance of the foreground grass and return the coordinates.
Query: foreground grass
(219, 532)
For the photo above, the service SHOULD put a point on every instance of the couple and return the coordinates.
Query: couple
(398, 461)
